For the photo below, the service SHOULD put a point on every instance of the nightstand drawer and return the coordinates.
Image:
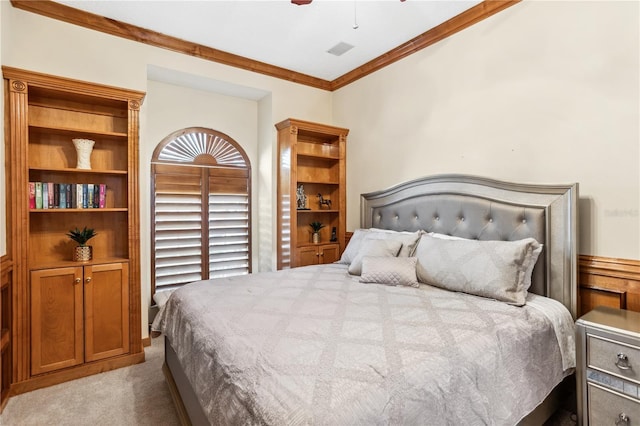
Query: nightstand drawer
(613, 357)
(610, 408)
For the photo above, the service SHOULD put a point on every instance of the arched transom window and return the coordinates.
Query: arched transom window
(201, 209)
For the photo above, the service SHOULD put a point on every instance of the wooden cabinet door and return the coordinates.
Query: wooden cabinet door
(106, 300)
(329, 253)
(307, 256)
(56, 319)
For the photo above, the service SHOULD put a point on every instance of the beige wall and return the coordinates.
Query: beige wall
(246, 106)
(544, 92)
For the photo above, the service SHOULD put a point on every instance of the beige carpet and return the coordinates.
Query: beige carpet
(135, 395)
(131, 396)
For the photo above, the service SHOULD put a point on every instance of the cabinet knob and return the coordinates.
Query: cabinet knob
(88, 279)
(78, 280)
(622, 420)
(622, 361)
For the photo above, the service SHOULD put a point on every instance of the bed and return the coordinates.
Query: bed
(337, 344)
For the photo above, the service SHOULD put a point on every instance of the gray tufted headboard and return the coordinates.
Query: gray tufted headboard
(486, 209)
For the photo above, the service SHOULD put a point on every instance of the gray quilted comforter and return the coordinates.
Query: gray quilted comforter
(314, 346)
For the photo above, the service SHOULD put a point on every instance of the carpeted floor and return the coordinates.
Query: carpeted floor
(132, 396)
(135, 395)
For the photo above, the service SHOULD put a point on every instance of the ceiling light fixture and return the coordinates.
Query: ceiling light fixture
(355, 16)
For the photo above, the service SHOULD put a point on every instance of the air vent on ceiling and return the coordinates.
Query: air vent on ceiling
(340, 48)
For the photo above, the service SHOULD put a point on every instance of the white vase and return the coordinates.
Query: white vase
(83, 148)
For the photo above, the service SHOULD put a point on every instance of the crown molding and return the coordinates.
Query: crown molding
(95, 22)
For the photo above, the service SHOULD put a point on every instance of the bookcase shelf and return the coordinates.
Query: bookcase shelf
(69, 131)
(312, 155)
(44, 113)
(79, 171)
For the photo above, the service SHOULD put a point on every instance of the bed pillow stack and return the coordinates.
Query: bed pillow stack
(498, 270)
(378, 243)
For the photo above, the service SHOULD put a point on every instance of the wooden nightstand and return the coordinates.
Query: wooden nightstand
(608, 367)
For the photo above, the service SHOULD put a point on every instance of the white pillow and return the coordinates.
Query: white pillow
(408, 239)
(351, 251)
(389, 270)
(374, 247)
(499, 270)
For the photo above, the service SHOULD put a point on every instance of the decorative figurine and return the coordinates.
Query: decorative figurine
(301, 198)
(323, 201)
(334, 235)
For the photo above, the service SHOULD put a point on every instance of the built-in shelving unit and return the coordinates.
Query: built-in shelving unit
(71, 318)
(311, 156)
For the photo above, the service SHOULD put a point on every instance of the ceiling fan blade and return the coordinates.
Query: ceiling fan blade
(301, 2)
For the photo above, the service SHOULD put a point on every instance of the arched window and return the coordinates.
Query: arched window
(201, 208)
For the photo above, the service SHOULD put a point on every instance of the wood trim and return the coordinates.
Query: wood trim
(608, 281)
(84, 19)
(131, 32)
(16, 174)
(51, 82)
(610, 266)
(146, 341)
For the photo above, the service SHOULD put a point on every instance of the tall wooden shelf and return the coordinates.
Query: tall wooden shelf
(312, 155)
(90, 319)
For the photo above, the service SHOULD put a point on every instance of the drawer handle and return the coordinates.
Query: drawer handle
(622, 361)
(622, 420)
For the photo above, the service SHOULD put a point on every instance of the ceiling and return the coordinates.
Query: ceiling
(280, 33)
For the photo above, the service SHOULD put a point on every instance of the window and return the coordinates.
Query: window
(201, 208)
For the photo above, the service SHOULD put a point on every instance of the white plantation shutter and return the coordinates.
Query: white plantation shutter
(178, 236)
(228, 235)
(201, 211)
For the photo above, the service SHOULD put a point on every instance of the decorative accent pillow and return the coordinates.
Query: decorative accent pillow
(499, 270)
(374, 247)
(389, 270)
(408, 239)
(352, 249)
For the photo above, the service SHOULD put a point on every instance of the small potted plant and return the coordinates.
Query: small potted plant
(316, 227)
(83, 252)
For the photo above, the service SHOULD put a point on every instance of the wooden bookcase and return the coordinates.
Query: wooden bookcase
(71, 319)
(312, 155)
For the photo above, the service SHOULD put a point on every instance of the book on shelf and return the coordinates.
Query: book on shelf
(56, 195)
(45, 195)
(85, 196)
(67, 188)
(78, 204)
(38, 195)
(32, 195)
(62, 198)
(102, 197)
(50, 191)
(90, 195)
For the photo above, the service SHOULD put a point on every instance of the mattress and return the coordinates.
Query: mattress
(313, 345)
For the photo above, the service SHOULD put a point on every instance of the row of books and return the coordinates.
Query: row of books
(48, 195)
